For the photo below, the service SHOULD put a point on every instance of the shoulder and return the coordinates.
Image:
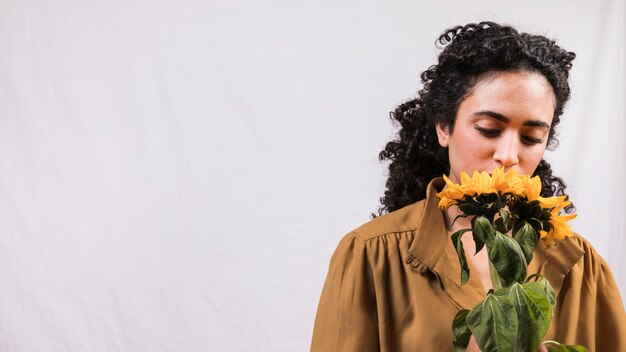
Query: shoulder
(592, 261)
(383, 235)
(402, 220)
(589, 309)
(576, 256)
(589, 255)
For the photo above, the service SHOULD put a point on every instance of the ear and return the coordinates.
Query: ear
(443, 134)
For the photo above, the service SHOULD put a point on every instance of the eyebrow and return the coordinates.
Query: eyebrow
(500, 117)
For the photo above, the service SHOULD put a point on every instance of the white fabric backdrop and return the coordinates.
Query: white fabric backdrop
(176, 174)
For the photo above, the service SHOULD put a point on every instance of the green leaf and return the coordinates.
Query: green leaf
(506, 217)
(547, 290)
(459, 216)
(482, 229)
(537, 211)
(462, 333)
(508, 259)
(458, 245)
(527, 238)
(479, 243)
(496, 280)
(494, 324)
(535, 223)
(470, 208)
(534, 313)
(500, 226)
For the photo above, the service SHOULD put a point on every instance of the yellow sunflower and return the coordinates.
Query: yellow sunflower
(450, 194)
(552, 202)
(531, 187)
(561, 228)
(509, 182)
(481, 183)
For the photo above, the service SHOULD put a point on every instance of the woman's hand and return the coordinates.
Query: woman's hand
(473, 347)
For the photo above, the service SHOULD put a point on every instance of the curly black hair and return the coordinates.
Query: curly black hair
(469, 53)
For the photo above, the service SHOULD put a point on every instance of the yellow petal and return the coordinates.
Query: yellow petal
(532, 187)
(550, 202)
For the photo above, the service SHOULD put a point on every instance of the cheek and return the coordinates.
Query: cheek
(468, 148)
(531, 161)
(463, 137)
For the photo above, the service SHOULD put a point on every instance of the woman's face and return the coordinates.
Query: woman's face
(504, 121)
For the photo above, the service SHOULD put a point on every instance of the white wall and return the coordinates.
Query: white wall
(176, 174)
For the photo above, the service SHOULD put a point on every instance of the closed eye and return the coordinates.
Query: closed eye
(531, 140)
(487, 132)
(492, 133)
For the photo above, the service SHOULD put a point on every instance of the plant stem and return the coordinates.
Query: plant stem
(551, 342)
(496, 281)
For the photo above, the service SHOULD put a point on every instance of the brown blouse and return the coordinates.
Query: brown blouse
(394, 285)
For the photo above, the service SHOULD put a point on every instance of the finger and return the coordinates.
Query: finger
(472, 346)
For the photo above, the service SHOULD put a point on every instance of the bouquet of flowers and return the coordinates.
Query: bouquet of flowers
(516, 313)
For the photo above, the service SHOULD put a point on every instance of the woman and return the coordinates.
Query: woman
(494, 99)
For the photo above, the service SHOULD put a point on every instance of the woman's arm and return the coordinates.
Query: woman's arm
(589, 309)
(610, 319)
(346, 316)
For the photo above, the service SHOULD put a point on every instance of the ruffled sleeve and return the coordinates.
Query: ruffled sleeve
(346, 318)
(589, 307)
(610, 316)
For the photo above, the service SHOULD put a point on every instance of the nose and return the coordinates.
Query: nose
(506, 153)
